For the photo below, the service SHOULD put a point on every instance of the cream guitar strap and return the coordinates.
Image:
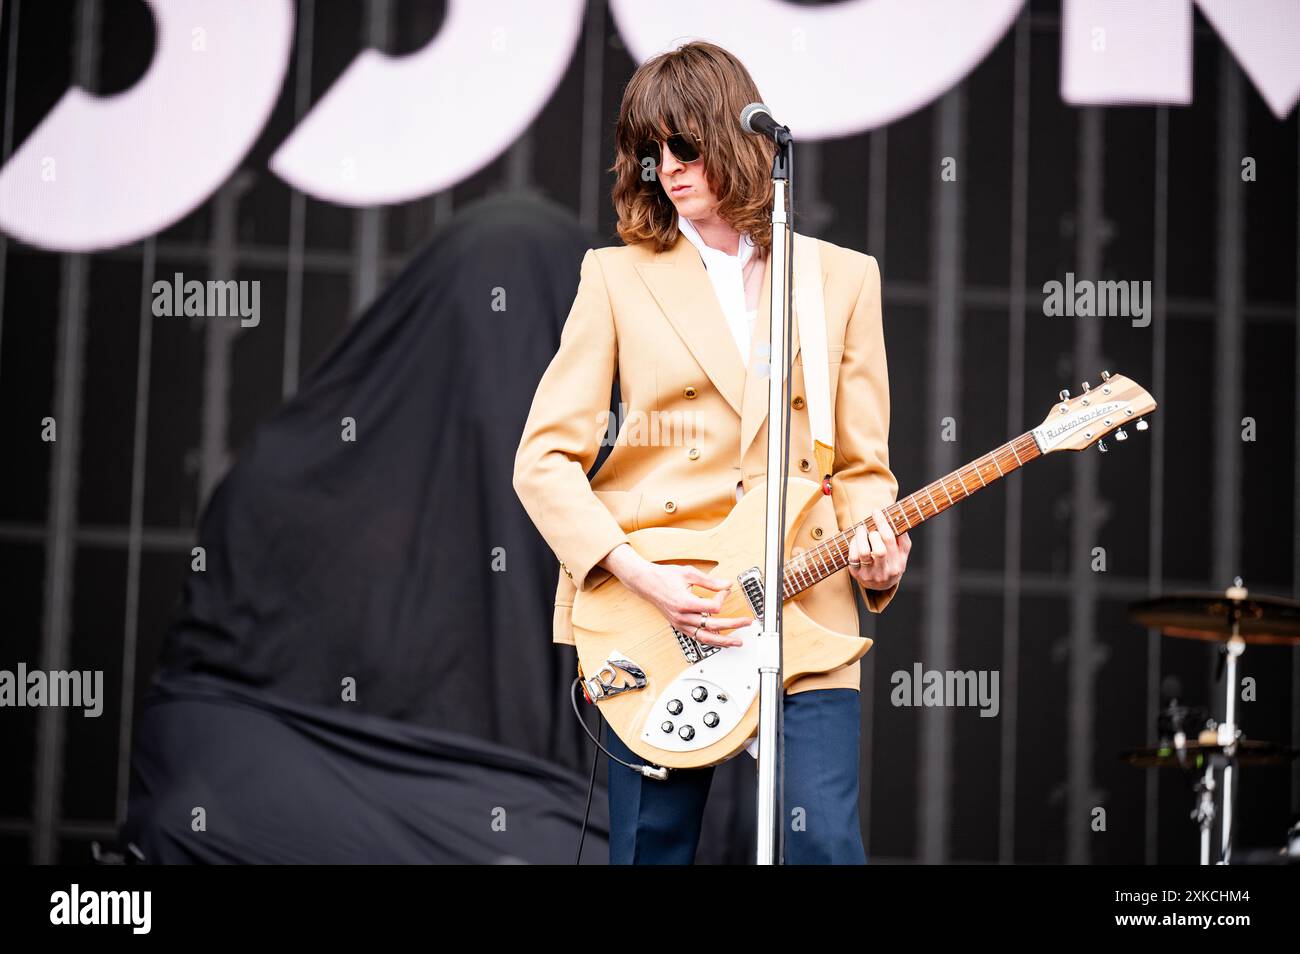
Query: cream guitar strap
(810, 311)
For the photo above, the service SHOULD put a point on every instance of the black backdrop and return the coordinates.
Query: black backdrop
(94, 544)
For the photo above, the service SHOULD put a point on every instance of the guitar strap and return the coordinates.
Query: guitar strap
(810, 310)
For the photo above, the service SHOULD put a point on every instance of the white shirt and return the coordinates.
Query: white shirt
(727, 274)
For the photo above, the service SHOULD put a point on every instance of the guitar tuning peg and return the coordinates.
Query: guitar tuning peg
(1086, 387)
(1105, 375)
(1065, 394)
(1142, 425)
(1101, 446)
(1120, 435)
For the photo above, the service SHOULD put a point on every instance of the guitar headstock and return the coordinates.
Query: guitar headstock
(1081, 421)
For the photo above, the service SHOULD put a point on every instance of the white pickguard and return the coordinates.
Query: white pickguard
(730, 678)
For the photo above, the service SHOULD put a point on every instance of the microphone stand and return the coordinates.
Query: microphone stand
(771, 746)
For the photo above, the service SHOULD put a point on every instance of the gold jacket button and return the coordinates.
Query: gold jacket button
(817, 533)
(694, 453)
(796, 402)
(803, 464)
(690, 393)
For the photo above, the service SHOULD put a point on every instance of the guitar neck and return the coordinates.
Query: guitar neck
(817, 563)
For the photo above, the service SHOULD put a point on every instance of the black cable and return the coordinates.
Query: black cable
(645, 771)
(591, 788)
(649, 771)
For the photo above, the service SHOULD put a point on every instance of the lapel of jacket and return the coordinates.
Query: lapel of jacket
(680, 285)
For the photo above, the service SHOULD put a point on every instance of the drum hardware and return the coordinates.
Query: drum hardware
(1233, 618)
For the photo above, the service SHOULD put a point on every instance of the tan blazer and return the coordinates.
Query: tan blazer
(694, 421)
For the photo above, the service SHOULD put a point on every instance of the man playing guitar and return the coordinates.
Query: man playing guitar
(671, 314)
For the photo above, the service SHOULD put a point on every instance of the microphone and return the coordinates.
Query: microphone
(757, 118)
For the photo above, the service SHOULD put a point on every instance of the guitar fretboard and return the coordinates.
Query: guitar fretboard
(830, 556)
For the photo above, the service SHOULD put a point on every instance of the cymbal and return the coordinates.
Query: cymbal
(1262, 619)
(1194, 754)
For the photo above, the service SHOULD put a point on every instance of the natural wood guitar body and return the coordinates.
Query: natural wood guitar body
(612, 623)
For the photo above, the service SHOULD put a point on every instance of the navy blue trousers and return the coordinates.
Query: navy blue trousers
(659, 822)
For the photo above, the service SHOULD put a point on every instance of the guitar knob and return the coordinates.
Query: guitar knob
(1101, 446)
(1120, 435)
(711, 719)
(687, 732)
(699, 693)
(675, 707)
(1142, 425)
(667, 727)
(1086, 387)
(1065, 394)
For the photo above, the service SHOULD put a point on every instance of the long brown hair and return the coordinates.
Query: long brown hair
(697, 88)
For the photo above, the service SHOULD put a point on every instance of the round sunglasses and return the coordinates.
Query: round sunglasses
(683, 147)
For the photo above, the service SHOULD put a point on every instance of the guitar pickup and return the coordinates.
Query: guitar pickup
(751, 583)
(692, 648)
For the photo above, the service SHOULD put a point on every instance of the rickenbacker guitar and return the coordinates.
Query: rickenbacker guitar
(680, 704)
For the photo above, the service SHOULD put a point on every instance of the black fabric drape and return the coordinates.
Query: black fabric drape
(224, 775)
(402, 559)
(363, 668)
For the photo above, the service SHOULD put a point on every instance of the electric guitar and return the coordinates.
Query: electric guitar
(678, 703)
